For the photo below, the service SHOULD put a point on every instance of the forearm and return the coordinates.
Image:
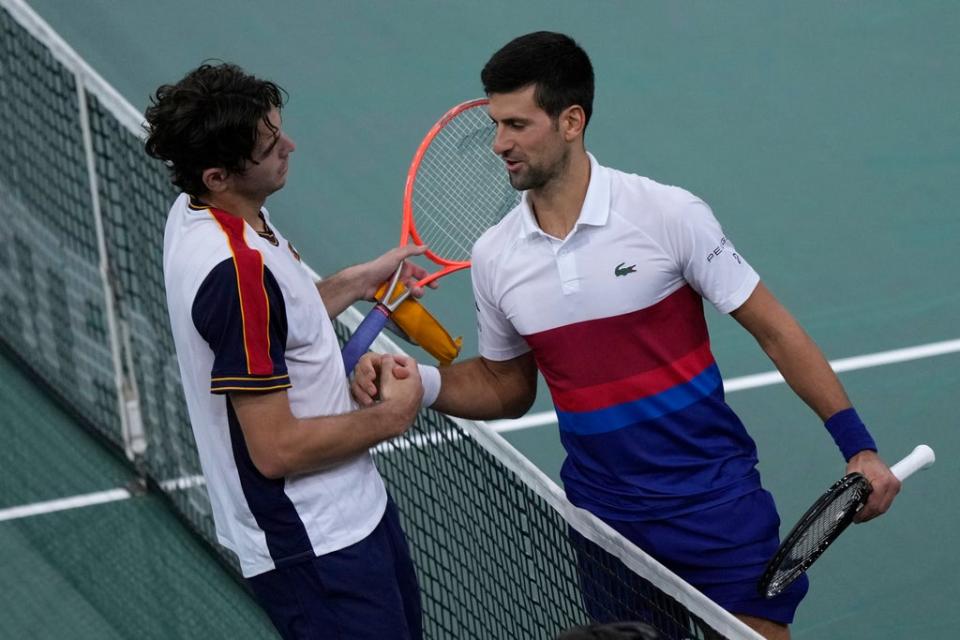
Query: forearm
(341, 290)
(478, 389)
(360, 282)
(322, 442)
(793, 352)
(809, 374)
(281, 444)
(805, 369)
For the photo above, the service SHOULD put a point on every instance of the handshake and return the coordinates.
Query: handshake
(383, 376)
(396, 381)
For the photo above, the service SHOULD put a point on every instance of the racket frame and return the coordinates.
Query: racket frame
(922, 457)
(377, 318)
(408, 227)
(852, 481)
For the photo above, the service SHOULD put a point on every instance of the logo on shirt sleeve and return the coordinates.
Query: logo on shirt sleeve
(720, 249)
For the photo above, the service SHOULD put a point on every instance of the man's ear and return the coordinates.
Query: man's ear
(572, 122)
(215, 179)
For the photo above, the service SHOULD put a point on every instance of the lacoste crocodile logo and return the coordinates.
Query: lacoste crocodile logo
(621, 270)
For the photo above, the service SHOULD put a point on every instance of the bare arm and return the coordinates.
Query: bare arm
(360, 282)
(281, 444)
(793, 352)
(477, 389)
(810, 376)
(481, 389)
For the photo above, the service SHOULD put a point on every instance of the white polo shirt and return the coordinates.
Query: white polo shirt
(247, 317)
(614, 317)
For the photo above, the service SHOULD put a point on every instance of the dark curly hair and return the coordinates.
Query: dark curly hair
(554, 62)
(209, 119)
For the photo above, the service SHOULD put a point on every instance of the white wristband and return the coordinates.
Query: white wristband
(430, 377)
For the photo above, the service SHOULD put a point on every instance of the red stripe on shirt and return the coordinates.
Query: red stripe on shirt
(254, 305)
(636, 387)
(604, 350)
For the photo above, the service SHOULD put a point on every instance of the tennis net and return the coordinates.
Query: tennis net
(499, 551)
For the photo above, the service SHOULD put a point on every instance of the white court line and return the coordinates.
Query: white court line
(503, 426)
(769, 378)
(90, 499)
(73, 502)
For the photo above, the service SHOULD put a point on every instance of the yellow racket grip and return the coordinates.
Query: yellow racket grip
(422, 328)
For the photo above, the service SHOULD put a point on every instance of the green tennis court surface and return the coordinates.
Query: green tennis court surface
(823, 135)
(124, 569)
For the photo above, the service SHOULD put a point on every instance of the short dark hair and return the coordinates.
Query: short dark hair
(210, 118)
(554, 62)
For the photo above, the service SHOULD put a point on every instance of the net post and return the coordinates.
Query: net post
(134, 435)
(128, 397)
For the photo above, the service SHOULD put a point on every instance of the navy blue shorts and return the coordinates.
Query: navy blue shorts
(722, 551)
(368, 590)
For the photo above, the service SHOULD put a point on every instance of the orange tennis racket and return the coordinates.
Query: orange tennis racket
(456, 189)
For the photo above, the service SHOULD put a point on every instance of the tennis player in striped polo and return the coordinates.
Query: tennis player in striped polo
(285, 456)
(597, 280)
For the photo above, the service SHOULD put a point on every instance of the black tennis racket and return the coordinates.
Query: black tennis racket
(826, 520)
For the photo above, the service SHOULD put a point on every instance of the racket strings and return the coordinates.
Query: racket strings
(817, 531)
(461, 187)
(452, 217)
(835, 514)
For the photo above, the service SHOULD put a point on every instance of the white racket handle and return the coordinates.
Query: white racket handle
(920, 458)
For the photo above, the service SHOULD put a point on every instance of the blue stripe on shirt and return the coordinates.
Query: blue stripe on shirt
(628, 413)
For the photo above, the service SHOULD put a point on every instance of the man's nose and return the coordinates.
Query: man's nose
(501, 141)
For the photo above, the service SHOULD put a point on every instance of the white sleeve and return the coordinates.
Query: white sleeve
(708, 259)
(497, 339)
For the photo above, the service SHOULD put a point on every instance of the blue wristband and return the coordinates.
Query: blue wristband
(849, 433)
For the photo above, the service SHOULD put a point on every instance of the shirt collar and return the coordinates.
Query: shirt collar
(596, 205)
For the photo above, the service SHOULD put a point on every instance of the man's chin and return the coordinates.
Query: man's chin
(518, 182)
